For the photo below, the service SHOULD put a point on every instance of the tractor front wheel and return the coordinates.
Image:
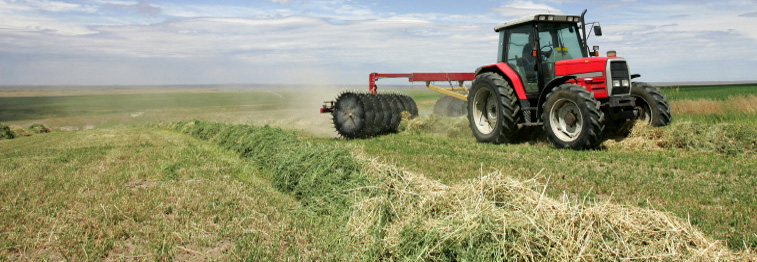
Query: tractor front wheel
(572, 118)
(651, 104)
(493, 110)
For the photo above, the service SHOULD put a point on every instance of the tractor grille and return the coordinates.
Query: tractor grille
(619, 71)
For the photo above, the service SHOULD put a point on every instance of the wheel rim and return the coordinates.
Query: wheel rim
(645, 113)
(566, 120)
(348, 114)
(484, 111)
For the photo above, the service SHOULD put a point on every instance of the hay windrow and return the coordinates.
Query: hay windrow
(5, 132)
(723, 138)
(11, 132)
(496, 217)
(316, 174)
(392, 214)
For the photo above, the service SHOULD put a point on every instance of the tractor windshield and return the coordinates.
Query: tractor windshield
(559, 41)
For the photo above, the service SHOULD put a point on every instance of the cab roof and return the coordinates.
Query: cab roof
(556, 18)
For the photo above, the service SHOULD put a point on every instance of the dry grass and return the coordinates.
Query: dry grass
(743, 104)
(746, 104)
(496, 217)
(726, 138)
(699, 106)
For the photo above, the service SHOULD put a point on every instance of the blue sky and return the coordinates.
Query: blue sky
(327, 42)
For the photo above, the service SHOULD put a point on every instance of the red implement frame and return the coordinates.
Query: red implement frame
(421, 77)
(460, 78)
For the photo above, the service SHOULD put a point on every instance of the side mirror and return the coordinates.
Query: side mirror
(597, 30)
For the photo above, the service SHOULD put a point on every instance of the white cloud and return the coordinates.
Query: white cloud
(46, 5)
(340, 41)
(520, 8)
(142, 7)
(350, 49)
(697, 42)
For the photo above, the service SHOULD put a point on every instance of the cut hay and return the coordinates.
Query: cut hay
(435, 124)
(316, 174)
(5, 132)
(723, 138)
(496, 217)
(391, 214)
(39, 129)
(20, 131)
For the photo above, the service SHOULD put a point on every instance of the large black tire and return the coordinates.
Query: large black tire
(349, 115)
(450, 107)
(394, 105)
(409, 105)
(378, 121)
(370, 115)
(401, 102)
(493, 110)
(651, 104)
(387, 111)
(572, 118)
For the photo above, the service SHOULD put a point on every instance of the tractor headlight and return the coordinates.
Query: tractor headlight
(625, 83)
(615, 83)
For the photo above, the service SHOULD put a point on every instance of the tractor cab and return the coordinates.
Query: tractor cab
(532, 45)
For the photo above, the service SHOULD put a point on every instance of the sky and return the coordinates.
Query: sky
(331, 42)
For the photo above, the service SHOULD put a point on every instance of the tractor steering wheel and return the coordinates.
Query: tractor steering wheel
(546, 53)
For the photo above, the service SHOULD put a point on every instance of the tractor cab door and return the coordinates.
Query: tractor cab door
(557, 42)
(519, 46)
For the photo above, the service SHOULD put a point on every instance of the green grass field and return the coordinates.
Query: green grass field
(131, 189)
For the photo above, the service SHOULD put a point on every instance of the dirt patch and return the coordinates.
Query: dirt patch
(217, 252)
(140, 183)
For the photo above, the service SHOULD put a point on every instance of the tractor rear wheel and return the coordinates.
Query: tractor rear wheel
(572, 118)
(493, 110)
(450, 107)
(651, 104)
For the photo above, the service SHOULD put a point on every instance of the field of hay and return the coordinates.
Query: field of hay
(131, 175)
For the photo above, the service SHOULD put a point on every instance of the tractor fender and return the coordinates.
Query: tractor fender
(510, 76)
(548, 88)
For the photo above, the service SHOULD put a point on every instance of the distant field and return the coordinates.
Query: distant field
(291, 108)
(709, 92)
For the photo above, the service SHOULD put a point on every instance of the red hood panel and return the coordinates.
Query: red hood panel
(580, 66)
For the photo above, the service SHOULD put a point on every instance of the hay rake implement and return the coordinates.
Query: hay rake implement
(367, 114)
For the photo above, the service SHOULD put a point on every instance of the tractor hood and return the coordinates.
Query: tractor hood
(583, 67)
(604, 76)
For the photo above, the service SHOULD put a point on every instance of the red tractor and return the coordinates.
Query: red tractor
(545, 75)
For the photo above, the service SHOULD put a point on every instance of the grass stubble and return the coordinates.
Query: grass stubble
(265, 194)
